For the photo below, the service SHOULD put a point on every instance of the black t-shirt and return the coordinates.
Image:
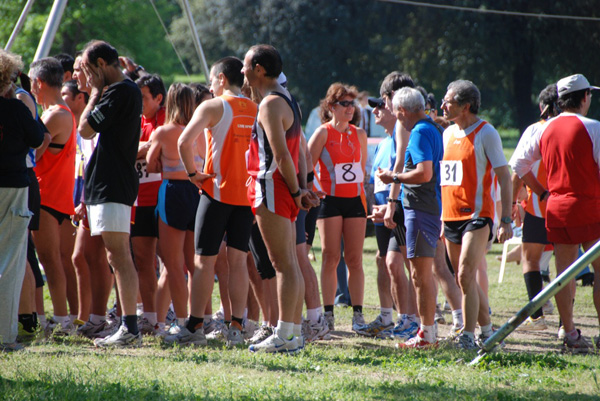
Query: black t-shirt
(110, 175)
(18, 132)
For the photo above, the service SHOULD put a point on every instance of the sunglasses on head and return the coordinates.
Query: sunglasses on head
(346, 103)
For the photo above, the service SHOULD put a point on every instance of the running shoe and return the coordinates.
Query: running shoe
(481, 339)
(439, 315)
(275, 344)
(250, 327)
(122, 338)
(147, 328)
(170, 318)
(407, 333)
(465, 342)
(330, 319)
(455, 330)
(548, 308)
(578, 346)
(219, 333)
(530, 324)
(25, 335)
(315, 331)
(209, 326)
(376, 328)
(358, 321)
(10, 347)
(186, 337)
(91, 330)
(61, 330)
(234, 337)
(261, 334)
(417, 342)
(110, 328)
(562, 334)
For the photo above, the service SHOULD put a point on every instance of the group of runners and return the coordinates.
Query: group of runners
(170, 189)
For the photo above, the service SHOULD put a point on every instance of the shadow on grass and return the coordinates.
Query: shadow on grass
(351, 389)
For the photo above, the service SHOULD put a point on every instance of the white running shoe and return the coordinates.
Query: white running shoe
(219, 333)
(530, 324)
(122, 338)
(377, 328)
(64, 331)
(234, 337)
(275, 344)
(250, 327)
(146, 327)
(261, 334)
(315, 331)
(358, 322)
(548, 308)
(330, 319)
(186, 337)
(111, 328)
(91, 330)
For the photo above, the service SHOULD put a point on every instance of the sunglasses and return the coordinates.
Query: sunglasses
(346, 103)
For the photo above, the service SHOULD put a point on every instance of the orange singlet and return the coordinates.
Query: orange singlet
(226, 146)
(466, 179)
(56, 174)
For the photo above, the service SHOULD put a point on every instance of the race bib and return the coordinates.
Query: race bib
(349, 173)
(451, 172)
(380, 186)
(143, 174)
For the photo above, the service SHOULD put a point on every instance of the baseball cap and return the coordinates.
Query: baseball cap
(376, 102)
(573, 83)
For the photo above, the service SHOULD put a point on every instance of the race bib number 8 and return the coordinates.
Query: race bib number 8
(451, 172)
(143, 174)
(349, 173)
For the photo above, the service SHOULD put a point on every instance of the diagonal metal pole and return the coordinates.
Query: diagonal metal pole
(538, 301)
(197, 44)
(50, 30)
(19, 25)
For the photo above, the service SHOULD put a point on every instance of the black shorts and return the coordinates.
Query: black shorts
(384, 243)
(177, 204)
(260, 254)
(33, 262)
(34, 200)
(399, 237)
(301, 227)
(454, 230)
(534, 229)
(146, 223)
(214, 219)
(333, 206)
(59, 216)
(310, 224)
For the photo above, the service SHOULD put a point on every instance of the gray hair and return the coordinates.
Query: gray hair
(48, 70)
(465, 92)
(409, 99)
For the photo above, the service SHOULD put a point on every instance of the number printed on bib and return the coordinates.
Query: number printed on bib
(349, 173)
(380, 186)
(143, 174)
(451, 172)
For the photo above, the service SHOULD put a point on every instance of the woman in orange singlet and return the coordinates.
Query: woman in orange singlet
(340, 148)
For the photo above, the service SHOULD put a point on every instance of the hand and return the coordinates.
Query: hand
(388, 219)
(504, 232)
(516, 215)
(80, 212)
(199, 178)
(386, 176)
(94, 76)
(378, 213)
(307, 199)
(127, 63)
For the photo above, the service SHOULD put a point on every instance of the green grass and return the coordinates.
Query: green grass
(347, 368)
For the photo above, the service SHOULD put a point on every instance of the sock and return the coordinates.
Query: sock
(357, 308)
(245, 316)
(194, 323)
(28, 322)
(574, 335)
(312, 315)
(161, 326)
(237, 322)
(208, 318)
(62, 320)
(130, 322)
(469, 334)
(96, 319)
(534, 284)
(487, 330)
(265, 323)
(72, 318)
(151, 317)
(285, 330)
(181, 321)
(35, 320)
(297, 330)
(428, 333)
(328, 308)
(386, 315)
(457, 318)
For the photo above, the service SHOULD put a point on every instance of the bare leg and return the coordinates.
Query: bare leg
(144, 254)
(354, 239)
(119, 257)
(330, 230)
(445, 278)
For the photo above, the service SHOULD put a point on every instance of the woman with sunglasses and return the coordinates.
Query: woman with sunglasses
(340, 148)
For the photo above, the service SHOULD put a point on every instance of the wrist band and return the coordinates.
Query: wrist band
(310, 177)
(190, 175)
(544, 195)
(296, 194)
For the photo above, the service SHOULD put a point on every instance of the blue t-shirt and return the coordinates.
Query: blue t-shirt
(425, 144)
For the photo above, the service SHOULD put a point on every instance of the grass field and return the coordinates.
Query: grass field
(346, 368)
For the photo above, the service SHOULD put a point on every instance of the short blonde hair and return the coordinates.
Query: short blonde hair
(10, 65)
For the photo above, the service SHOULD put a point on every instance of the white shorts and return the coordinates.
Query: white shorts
(109, 217)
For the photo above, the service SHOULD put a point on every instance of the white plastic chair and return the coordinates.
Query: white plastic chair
(512, 241)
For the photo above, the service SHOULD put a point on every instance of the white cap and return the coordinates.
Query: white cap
(573, 83)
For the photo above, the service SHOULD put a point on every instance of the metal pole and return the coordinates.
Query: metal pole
(540, 299)
(50, 30)
(197, 44)
(19, 25)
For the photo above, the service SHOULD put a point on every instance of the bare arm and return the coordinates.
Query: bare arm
(85, 129)
(316, 143)
(153, 164)
(506, 197)
(421, 174)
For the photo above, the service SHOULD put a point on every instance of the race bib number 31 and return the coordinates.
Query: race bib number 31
(451, 172)
(349, 173)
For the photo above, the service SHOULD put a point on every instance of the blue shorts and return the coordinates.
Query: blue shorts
(422, 232)
(177, 204)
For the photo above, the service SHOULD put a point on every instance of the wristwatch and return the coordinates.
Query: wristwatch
(395, 178)
(390, 200)
(506, 220)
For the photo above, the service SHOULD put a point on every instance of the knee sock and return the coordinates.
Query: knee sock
(534, 284)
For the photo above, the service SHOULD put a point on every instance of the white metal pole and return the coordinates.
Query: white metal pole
(19, 25)
(188, 13)
(50, 30)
